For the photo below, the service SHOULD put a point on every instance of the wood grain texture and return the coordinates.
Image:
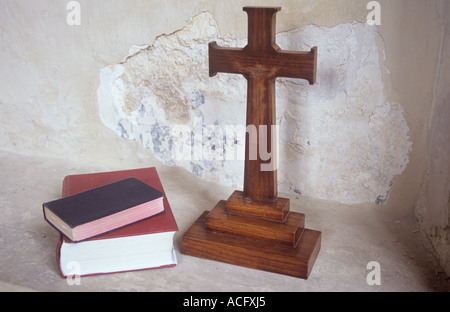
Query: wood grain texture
(276, 210)
(297, 262)
(261, 62)
(285, 233)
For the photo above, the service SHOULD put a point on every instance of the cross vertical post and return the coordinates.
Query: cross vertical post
(261, 62)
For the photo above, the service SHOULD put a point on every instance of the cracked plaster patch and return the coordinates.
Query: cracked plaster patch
(342, 139)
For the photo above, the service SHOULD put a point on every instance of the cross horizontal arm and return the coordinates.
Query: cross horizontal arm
(273, 62)
(301, 65)
(225, 60)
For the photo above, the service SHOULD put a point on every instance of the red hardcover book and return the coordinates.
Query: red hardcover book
(143, 245)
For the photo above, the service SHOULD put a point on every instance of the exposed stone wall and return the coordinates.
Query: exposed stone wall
(343, 139)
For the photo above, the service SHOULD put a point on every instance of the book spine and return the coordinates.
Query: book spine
(64, 192)
(58, 254)
(65, 188)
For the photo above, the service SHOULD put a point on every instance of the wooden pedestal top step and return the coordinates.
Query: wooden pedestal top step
(285, 233)
(297, 262)
(276, 210)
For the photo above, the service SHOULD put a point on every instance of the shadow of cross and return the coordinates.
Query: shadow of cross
(261, 62)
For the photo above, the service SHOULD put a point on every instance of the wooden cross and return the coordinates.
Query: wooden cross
(255, 228)
(261, 62)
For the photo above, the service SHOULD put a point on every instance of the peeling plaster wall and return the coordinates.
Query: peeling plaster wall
(433, 207)
(343, 139)
(50, 79)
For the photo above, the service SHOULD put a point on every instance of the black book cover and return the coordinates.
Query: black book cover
(102, 201)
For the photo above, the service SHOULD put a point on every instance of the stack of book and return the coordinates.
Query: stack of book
(112, 222)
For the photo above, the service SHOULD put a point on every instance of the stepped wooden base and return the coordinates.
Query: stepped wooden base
(283, 247)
